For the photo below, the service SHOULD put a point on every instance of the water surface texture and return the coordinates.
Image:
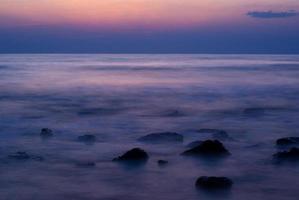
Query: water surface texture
(119, 98)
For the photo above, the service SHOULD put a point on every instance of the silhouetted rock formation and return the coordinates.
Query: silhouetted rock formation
(87, 138)
(162, 137)
(46, 132)
(291, 155)
(287, 141)
(208, 148)
(211, 183)
(135, 154)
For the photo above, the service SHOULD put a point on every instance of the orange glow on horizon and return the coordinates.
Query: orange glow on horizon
(122, 13)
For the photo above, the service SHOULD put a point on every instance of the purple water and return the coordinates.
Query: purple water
(119, 98)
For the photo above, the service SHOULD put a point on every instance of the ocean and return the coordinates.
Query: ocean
(119, 98)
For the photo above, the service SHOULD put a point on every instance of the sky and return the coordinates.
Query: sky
(149, 26)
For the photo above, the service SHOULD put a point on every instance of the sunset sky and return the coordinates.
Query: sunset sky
(149, 26)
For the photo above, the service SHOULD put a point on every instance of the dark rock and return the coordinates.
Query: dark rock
(162, 137)
(87, 138)
(46, 132)
(194, 144)
(208, 148)
(211, 183)
(291, 155)
(135, 154)
(287, 141)
(162, 162)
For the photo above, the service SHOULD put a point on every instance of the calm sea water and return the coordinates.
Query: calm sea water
(119, 98)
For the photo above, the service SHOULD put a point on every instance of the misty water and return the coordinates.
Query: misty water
(119, 98)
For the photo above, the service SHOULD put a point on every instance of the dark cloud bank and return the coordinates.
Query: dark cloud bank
(272, 14)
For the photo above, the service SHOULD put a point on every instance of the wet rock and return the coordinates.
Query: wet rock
(290, 155)
(208, 148)
(135, 154)
(194, 144)
(287, 141)
(212, 182)
(46, 132)
(162, 162)
(22, 155)
(162, 137)
(87, 138)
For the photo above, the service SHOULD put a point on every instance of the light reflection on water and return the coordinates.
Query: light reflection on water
(121, 97)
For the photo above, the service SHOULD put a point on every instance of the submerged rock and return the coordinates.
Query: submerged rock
(287, 141)
(87, 138)
(208, 148)
(162, 137)
(135, 154)
(212, 182)
(291, 155)
(46, 132)
(162, 162)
